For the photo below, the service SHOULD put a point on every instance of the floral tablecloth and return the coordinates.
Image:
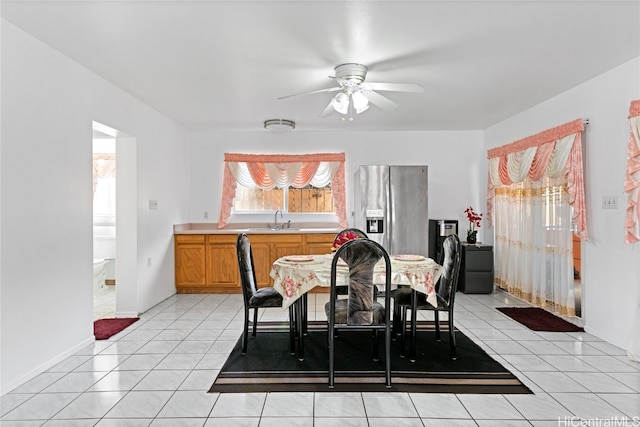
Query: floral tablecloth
(296, 275)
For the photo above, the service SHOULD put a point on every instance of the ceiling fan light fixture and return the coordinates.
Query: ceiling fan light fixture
(360, 102)
(279, 125)
(340, 103)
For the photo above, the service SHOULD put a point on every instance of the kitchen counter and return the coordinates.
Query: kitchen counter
(255, 228)
(206, 259)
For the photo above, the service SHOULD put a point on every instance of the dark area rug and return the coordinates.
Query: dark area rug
(105, 328)
(269, 367)
(538, 319)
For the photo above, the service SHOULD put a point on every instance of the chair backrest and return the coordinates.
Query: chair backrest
(245, 264)
(346, 233)
(448, 284)
(361, 256)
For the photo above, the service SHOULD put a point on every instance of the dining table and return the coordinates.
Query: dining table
(295, 275)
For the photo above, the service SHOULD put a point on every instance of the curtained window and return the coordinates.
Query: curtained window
(535, 200)
(632, 218)
(104, 188)
(632, 178)
(269, 171)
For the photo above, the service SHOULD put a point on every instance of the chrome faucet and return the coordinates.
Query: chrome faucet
(275, 221)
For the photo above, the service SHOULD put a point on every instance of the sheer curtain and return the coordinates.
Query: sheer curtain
(104, 188)
(268, 171)
(632, 218)
(535, 199)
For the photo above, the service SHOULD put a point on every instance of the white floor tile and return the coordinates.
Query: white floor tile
(188, 404)
(394, 405)
(91, 405)
(288, 405)
(489, 407)
(587, 405)
(140, 404)
(239, 405)
(434, 405)
(598, 382)
(339, 405)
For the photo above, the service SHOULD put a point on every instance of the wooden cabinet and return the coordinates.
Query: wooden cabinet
(207, 263)
(221, 264)
(190, 260)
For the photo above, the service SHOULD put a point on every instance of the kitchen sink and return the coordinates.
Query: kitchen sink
(274, 230)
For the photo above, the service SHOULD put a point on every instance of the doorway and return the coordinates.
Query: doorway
(104, 222)
(123, 299)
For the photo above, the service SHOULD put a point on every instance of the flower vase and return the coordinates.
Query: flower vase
(471, 237)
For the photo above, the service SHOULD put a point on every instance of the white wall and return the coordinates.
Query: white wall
(454, 159)
(611, 271)
(48, 105)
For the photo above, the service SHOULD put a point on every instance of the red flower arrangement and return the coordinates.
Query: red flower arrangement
(341, 239)
(474, 222)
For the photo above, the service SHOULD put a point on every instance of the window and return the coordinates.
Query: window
(306, 183)
(308, 199)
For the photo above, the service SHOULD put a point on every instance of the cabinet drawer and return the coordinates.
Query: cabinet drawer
(320, 238)
(189, 238)
(276, 238)
(478, 260)
(222, 238)
(477, 282)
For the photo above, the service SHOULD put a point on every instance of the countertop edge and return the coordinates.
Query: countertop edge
(252, 228)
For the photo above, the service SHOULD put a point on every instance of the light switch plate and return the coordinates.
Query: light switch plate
(609, 202)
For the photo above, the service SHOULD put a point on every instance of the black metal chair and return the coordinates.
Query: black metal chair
(405, 298)
(254, 298)
(360, 311)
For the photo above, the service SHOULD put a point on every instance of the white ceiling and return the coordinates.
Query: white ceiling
(222, 64)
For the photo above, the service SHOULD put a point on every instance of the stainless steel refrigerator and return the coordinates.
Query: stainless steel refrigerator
(391, 206)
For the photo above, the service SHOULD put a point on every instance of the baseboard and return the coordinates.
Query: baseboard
(46, 366)
(126, 314)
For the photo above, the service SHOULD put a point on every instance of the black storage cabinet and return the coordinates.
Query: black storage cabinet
(476, 269)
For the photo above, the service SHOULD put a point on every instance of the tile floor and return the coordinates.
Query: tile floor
(157, 373)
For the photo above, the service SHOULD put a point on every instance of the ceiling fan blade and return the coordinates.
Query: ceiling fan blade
(397, 87)
(327, 111)
(381, 101)
(331, 89)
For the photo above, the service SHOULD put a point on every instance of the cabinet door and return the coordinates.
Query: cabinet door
(190, 265)
(318, 244)
(283, 249)
(222, 265)
(262, 262)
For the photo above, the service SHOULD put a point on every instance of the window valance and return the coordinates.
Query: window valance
(550, 153)
(268, 171)
(104, 166)
(632, 177)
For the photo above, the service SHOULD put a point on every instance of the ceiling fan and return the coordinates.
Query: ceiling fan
(354, 95)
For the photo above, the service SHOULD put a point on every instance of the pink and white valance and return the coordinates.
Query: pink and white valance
(632, 177)
(551, 153)
(268, 171)
(104, 166)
